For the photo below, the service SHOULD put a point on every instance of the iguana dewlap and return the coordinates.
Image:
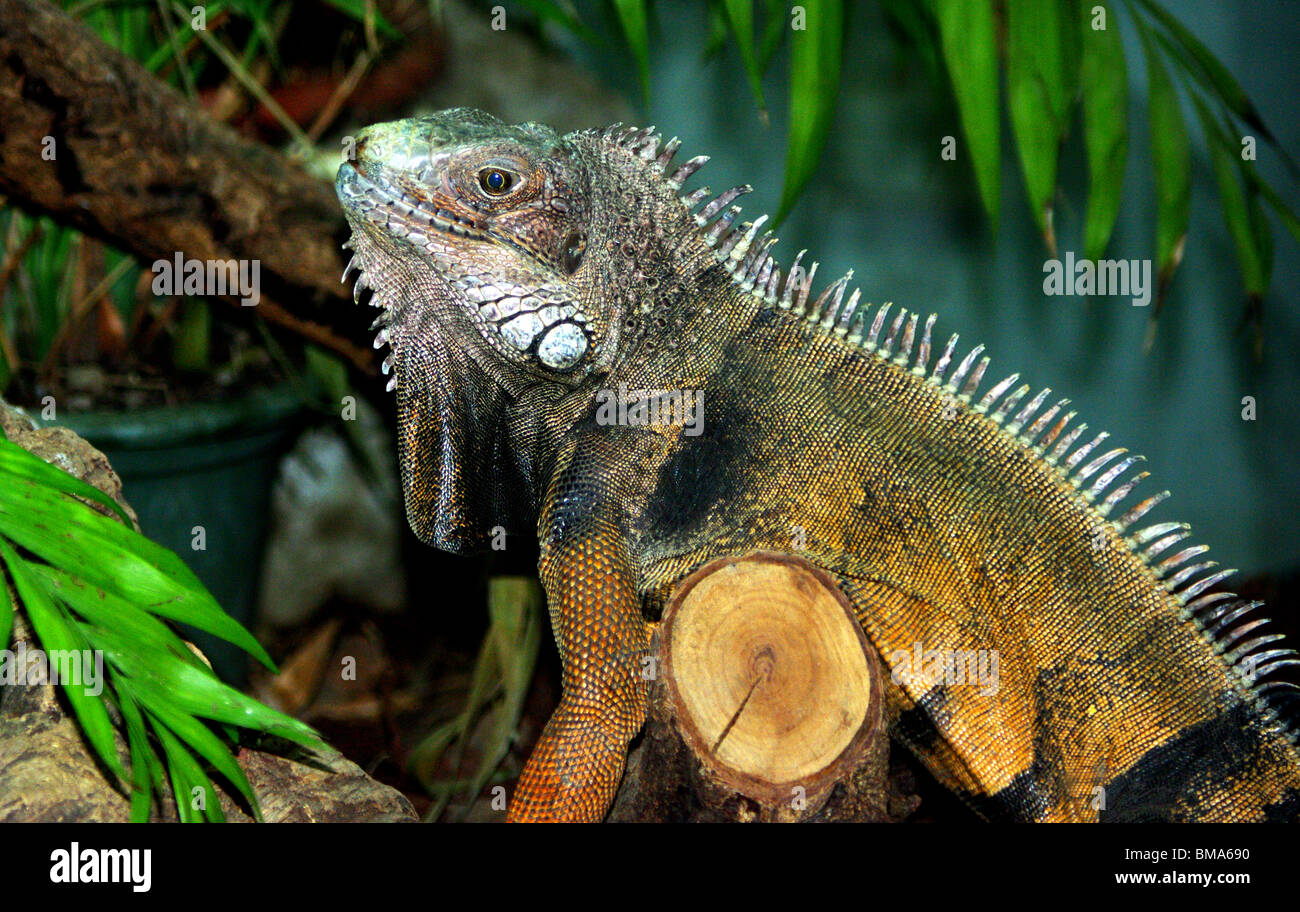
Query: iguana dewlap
(531, 283)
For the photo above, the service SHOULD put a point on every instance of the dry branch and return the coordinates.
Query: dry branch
(767, 704)
(136, 164)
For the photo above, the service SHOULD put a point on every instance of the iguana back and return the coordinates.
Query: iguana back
(542, 293)
(973, 523)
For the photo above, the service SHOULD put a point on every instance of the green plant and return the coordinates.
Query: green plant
(89, 582)
(497, 691)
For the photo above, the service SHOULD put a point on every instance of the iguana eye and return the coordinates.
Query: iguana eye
(495, 181)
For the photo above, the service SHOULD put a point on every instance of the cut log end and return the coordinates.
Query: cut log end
(769, 680)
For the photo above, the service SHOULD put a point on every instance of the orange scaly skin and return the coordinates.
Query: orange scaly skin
(574, 772)
(526, 277)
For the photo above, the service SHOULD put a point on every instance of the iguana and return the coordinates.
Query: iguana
(524, 276)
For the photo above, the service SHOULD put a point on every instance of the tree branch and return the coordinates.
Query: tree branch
(136, 164)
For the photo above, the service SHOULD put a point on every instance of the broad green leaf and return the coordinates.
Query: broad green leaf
(331, 377)
(186, 776)
(915, 33)
(18, 463)
(632, 16)
(31, 516)
(504, 669)
(6, 614)
(196, 691)
(776, 21)
(1270, 196)
(565, 15)
(1263, 230)
(970, 50)
(1236, 212)
(177, 774)
(1075, 17)
(513, 605)
(20, 495)
(1105, 127)
(116, 559)
(56, 634)
(200, 739)
(1171, 156)
(424, 756)
(145, 768)
(1207, 70)
(105, 609)
(815, 56)
(1037, 100)
(740, 14)
(190, 349)
(717, 35)
(453, 734)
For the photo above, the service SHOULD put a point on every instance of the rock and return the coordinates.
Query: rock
(63, 449)
(334, 531)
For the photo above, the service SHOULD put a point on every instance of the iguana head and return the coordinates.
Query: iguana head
(534, 251)
(482, 227)
(515, 268)
(476, 238)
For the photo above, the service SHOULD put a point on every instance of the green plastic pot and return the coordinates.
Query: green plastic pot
(199, 478)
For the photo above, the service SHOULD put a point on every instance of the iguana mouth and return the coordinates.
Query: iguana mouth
(400, 211)
(406, 212)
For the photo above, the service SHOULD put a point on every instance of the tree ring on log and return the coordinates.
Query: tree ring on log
(772, 683)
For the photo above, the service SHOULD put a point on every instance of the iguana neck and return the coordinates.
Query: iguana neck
(656, 275)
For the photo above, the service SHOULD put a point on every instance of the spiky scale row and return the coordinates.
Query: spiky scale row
(963, 368)
(905, 350)
(726, 198)
(682, 174)
(923, 356)
(722, 226)
(754, 269)
(359, 285)
(1104, 480)
(995, 394)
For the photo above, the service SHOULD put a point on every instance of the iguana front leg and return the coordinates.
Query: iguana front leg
(575, 769)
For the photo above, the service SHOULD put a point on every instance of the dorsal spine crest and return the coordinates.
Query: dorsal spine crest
(747, 258)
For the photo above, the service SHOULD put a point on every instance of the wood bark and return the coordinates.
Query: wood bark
(766, 703)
